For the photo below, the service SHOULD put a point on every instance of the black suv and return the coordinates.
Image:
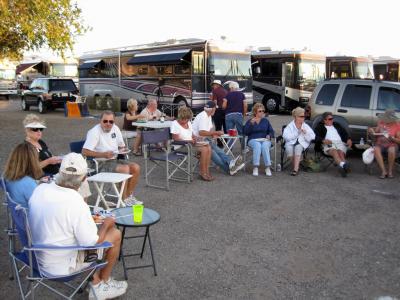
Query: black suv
(49, 93)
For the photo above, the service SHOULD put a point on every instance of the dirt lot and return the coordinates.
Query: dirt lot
(314, 236)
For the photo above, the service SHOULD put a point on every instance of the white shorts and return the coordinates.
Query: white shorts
(335, 145)
(294, 150)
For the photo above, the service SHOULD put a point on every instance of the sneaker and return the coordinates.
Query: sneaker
(255, 171)
(236, 169)
(109, 290)
(342, 171)
(268, 171)
(232, 163)
(131, 200)
(239, 160)
(346, 167)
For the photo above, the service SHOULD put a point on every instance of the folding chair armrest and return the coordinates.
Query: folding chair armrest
(39, 247)
(181, 143)
(279, 138)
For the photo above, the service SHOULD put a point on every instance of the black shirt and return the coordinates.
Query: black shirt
(44, 154)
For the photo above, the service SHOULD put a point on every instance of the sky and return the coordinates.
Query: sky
(345, 27)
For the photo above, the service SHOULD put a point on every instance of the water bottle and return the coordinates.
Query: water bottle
(362, 141)
(162, 119)
(278, 168)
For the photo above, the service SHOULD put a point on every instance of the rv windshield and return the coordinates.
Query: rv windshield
(230, 64)
(64, 70)
(311, 72)
(363, 70)
(7, 74)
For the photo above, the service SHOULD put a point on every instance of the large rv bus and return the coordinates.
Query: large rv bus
(387, 69)
(285, 79)
(8, 84)
(176, 72)
(349, 67)
(32, 69)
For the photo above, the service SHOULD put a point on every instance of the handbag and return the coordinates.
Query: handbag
(368, 156)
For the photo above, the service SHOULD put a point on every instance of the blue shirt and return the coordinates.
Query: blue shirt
(21, 190)
(260, 130)
(234, 102)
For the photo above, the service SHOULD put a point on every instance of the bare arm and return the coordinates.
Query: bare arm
(224, 103)
(244, 107)
(133, 118)
(90, 153)
(107, 224)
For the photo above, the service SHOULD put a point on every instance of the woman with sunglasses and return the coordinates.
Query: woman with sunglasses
(259, 132)
(298, 136)
(34, 127)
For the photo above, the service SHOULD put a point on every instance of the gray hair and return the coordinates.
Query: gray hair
(71, 181)
(233, 85)
(152, 100)
(106, 113)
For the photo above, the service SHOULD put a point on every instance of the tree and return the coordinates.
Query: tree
(32, 24)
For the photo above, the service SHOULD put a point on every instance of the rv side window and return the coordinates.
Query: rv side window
(388, 98)
(357, 96)
(327, 94)
(271, 69)
(198, 62)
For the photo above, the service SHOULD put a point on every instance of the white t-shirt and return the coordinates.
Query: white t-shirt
(332, 134)
(100, 141)
(150, 115)
(202, 122)
(183, 133)
(59, 216)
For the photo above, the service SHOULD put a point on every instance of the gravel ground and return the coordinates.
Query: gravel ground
(314, 236)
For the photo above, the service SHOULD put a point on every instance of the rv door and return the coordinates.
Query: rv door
(287, 71)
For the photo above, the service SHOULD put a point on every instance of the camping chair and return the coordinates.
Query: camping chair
(25, 259)
(171, 161)
(247, 151)
(77, 148)
(320, 156)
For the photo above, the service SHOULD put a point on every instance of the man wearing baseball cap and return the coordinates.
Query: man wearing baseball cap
(218, 94)
(203, 129)
(58, 215)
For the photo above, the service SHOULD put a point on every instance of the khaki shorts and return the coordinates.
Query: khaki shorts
(111, 165)
(335, 145)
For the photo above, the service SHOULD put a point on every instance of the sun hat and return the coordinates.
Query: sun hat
(210, 104)
(73, 164)
(35, 125)
(216, 81)
(388, 116)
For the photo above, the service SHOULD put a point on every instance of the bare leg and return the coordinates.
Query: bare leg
(203, 160)
(137, 142)
(379, 160)
(113, 236)
(296, 162)
(342, 155)
(391, 159)
(134, 170)
(335, 154)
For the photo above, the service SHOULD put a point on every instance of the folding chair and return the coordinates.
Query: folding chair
(247, 151)
(26, 258)
(320, 155)
(171, 161)
(77, 148)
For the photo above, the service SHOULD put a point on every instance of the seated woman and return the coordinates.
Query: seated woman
(333, 140)
(21, 172)
(259, 131)
(181, 130)
(130, 116)
(387, 135)
(50, 164)
(298, 136)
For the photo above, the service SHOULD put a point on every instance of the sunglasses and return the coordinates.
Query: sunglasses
(329, 119)
(36, 129)
(108, 121)
(301, 116)
(260, 110)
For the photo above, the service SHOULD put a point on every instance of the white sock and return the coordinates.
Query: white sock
(341, 164)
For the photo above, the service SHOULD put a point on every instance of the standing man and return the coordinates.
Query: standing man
(203, 129)
(105, 141)
(218, 95)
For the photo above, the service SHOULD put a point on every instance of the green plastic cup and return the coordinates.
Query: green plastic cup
(137, 213)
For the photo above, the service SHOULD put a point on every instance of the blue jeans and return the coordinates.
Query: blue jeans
(258, 149)
(219, 157)
(235, 120)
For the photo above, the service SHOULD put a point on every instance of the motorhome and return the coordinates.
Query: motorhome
(387, 68)
(283, 80)
(177, 72)
(8, 83)
(31, 69)
(349, 67)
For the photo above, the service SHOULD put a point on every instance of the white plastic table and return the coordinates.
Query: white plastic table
(100, 179)
(228, 142)
(153, 124)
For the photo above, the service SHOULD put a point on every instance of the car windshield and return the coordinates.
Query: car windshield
(363, 70)
(7, 74)
(62, 85)
(64, 70)
(231, 64)
(311, 72)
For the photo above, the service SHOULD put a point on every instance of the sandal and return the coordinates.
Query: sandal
(294, 173)
(383, 176)
(390, 176)
(210, 177)
(204, 177)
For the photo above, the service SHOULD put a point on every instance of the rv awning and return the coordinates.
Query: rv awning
(22, 67)
(159, 58)
(89, 64)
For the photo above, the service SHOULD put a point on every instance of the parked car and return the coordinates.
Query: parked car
(355, 103)
(49, 93)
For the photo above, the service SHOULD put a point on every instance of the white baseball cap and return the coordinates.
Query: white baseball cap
(216, 81)
(35, 125)
(74, 164)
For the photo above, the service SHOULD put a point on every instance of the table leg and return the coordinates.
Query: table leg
(119, 194)
(151, 252)
(121, 255)
(144, 241)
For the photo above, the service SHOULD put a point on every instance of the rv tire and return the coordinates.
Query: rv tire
(271, 103)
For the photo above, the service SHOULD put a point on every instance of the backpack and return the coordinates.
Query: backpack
(311, 165)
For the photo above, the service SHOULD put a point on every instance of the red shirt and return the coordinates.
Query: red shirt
(390, 128)
(219, 94)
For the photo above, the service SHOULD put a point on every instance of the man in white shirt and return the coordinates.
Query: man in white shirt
(203, 129)
(105, 141)
(59, 216)
(334, 141)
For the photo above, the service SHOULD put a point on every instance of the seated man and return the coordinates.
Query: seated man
(203, 128)
(105, 141)
(334, 140)
(58, 216)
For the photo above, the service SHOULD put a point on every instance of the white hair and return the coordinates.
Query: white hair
(69, 180)
(233, 85)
